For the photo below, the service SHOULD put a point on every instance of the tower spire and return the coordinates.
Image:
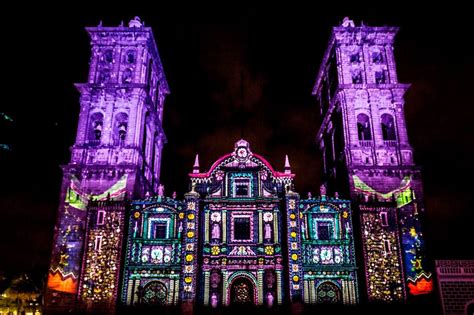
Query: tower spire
(196, 164)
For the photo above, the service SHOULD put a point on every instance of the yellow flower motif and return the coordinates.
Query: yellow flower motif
(269, 250)
(296, 278)
(215, 250)
(188, 279)
(191, 216)
(292, 216)
(294, 257)
(181, 215)
(190, 234)
(136, 215)
(293, 234)
(189, 258)
(345, 214)
(301, 215)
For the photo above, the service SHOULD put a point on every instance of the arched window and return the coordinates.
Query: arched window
(104, 75)
(357, 77)
(355, 57)
(363, 127)
(127, 76)
(108, 56)
(145, 140)
(380, 77)
(377, 57)
(95, 128)
(149, 75)
(120, 128)
(388, 127)
(130, 57)
(153, 158)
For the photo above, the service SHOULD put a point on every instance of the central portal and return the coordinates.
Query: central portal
(242, 292)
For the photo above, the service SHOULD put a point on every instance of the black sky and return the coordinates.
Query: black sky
(204, 50)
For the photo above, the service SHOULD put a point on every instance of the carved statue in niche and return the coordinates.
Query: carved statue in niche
(270, 299)
(215, 279)
(268, 231)
(214, 300)
(161, 190)
(216, 231)
(322, 190)
(269, 279)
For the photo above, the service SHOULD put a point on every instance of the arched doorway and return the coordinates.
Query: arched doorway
(328, 292)
(470, 308)
(242, 291)
(154, 293)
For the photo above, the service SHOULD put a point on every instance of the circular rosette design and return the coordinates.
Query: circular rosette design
(269, 250)
(215, 250)
(267, 216)
(216, 217)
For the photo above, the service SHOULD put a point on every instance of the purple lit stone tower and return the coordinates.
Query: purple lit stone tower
(117, 151)
(366, 151)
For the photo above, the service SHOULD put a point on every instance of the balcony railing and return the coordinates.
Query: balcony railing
(365, 143)
(119, 142)
(390, 143)
(93, 142)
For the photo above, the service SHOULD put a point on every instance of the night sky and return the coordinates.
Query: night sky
(210, 55)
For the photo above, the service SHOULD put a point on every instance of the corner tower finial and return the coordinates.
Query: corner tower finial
(135, 22)
(287, 165)
(346, 22)
(196, 164)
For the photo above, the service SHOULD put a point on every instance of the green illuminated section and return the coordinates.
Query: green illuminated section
(78, 199)
(403, 194)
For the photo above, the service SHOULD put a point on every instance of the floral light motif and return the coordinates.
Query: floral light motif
(215, 250)
(267, 217)
(269, 250)
(216, 217)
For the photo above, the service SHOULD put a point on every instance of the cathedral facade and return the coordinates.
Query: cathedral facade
(241, 235)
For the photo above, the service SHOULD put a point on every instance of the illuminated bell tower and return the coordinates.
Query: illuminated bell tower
(117, 152)
(367, 155)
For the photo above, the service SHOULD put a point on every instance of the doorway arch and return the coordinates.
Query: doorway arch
(154, 293)
(470, 307)
(242, 290)
(328, 292)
